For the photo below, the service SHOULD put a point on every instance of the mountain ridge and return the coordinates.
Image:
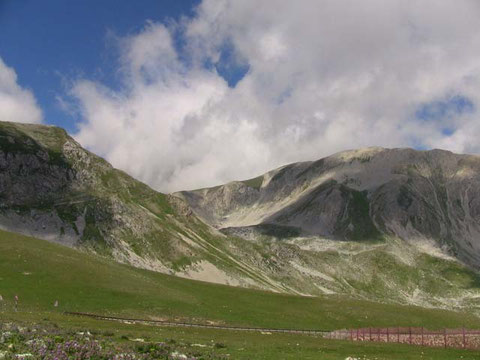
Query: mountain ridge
(359, 176)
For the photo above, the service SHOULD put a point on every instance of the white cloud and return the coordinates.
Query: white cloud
(323, 77)
(16, 104)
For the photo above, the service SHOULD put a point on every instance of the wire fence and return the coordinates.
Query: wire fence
(447, 338)
(198, 325)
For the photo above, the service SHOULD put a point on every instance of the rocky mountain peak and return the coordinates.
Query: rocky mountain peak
(358, 194)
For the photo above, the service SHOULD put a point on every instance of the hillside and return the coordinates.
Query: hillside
(360, 223)
(41, 273)
(392, 223)
(53, 189)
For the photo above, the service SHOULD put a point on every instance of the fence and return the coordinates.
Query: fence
(447, 338)
(198, 325)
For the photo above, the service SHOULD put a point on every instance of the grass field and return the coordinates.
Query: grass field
(41, 273)
(242, 345)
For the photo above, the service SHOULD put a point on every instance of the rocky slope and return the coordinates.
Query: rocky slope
(359, 195)
(392, 225)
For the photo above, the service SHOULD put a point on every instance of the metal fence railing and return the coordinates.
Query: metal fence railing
(447, 338)
(198, 325)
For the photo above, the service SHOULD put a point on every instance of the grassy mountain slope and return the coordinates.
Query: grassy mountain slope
(41, 273)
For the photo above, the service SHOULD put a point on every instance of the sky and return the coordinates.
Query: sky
(188, 94)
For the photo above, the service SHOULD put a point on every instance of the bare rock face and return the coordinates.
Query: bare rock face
(360, 195)
(33, 178)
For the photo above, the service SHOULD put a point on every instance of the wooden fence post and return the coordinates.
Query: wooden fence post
(398, 334)
(464, 342)
(358, 334)
(422, 336)
(445, 337)
(370, 333)
(388, 335)
(410, 334)
(351, 334)
(378, 336)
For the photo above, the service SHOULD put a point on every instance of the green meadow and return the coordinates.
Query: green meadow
(41, 273)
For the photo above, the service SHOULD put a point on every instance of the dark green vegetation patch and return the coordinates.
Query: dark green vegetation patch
(255, 183)
(356, 223)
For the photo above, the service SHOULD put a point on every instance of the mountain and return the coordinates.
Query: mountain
(359, 195)
(382, 221)
(387, 225)
(53, 189)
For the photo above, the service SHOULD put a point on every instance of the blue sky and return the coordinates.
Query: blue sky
(186, 94)
(51, 42)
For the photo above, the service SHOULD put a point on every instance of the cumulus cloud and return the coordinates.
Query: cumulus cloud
(16, 104)
(320, 77)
